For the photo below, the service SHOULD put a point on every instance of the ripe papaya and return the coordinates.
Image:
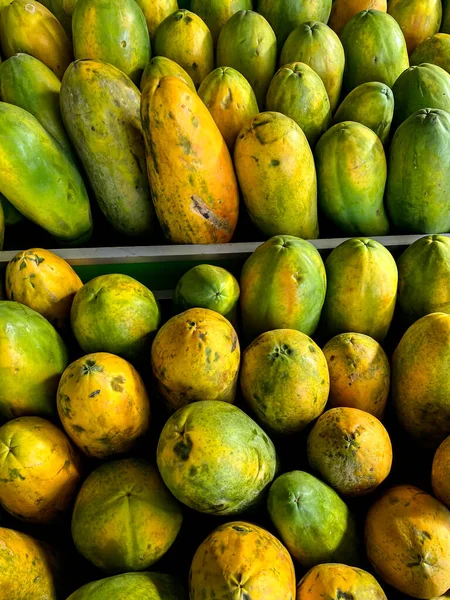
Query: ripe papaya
(155, 11)
(343, 10)
(63, 10)
(216, 13)
(160, 67)
(440, 473)
(418, 19)
(201, 204)
(107, 135)
(334, 580)
(435, 50)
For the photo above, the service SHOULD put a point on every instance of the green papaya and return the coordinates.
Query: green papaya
(39, 179)
(63, 10)
(434, 50)
(160, 67)
(155, 11)
(11, 214)
(216, 13)
(107, 134)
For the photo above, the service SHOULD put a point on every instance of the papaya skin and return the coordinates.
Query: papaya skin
(216, 13)
(2, 227)
(440, 472)
(419, 19)
(160, 67)
(193, 186)
(155, 11)
(343, 10)
(63, 10)
(334, 579)
(435, 50)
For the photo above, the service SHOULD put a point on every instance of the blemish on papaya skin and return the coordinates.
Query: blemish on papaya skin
(183, 448)
(227, 100)
(199, 206)
(274, 163)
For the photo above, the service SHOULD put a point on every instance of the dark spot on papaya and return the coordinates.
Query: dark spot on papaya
(193, 471)
(185, 143)
(93, 394)
(191, 324)
(179, 16)
(216, 356)
(274, 162)
(128, 494)
(246, 596)
(123, 43)
(331, 357)
(344, 595)
(90, 366)
(170, 115)
(234, 342)
(23, 265)
(208, 354)
(194, 121)
(194, 66)
(312, 349)
(78, 428)
(15, 474)
(116, 383)
(66, 465)
(36, 579)
(188, 19)
(226, 102)
(257, 124)
(65, 406)
(93, 128)
(201, 336)
(183, 448)
(239, 529)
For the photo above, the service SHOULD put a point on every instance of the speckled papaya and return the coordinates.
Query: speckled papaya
(440, 473)
(160, 67)
(334, 580)
(418, 19)
(201, 204)
(343, 10)
(155, 11)
(434, 50)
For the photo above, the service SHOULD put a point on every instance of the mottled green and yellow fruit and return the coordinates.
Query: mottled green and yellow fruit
(160, 67)
(155, 11)
(62, 9)
(343, 10)
(418, 19)
(440, 473)
(434, 50)
(216, 13)
(334, 580)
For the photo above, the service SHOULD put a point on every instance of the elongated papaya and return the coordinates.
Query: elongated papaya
(191, 174)
(216, 13)
(155, 11)
(63, 10)
(419, 19)
(161, 66)
(39, 179)
(107, 135)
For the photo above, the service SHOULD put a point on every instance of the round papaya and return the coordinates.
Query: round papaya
(160, 67)
(44, 282)
(299, 93)
(155, 11)
(116, 314)
(234, 557)
(419, 19)
(312, 520)
(283, 286)
(214, 458)
(186, 39)
(351, 450)
(103, 404)
(231, 101)
(256, 59)
(362, 289)
(375, 49)
(216, 13)
(343, 10)
(284, 379)
(124, 517)
(316, 45)
(335, 580)
(408, 541)
(359, 373)
(434, 50)
(196, 356)
(39, 472)
(440, 473)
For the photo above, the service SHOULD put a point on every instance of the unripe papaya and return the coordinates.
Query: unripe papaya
(160, 67)
(216, 13)
(155, 11)
(63, 10)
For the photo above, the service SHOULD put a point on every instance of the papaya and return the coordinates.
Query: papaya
(299, 93)
(31, 28)
(343, 10)
(39, 472)
(420, 380)
(145, 586)
(418, 180)
(418, 19)
(107, 135)
(359, 371)
(11, 215)
(283, 286)
(316, 45)
(372, 105)
(39, 165)
(117, 314)
(351, 450)
(284, 380)
(445, 23)
(44, 282)
(63, 10)
(155, 11)
(214, 458)
(160, 67)
(27, 82)
(385, 55)
(407, 535)
(103, 405)
(216, 13)
(277, 176)
(233, 560)
(124, 43)
(2, 227)
(186, 39)
(435, 50)
(200, 205)
(334, 580)
(255, 56)
(231, 101)
(362, 289)
(312, 520)
(196, 356)
(33, 357)
(441, 471)
(124, 518)
(285, 15)
(351, 179)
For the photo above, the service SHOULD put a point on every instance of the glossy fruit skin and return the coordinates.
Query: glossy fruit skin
(283, 286)
(189, 448)
(418, 19)
(332, 579)
(216, 13)
(160, 67)
(107, 135)
(184, 37)
(299, 93)
(440, 472)
(434, 50)
(408, 541)
(284, 380)
(69, 219)
(419, 173)
(351, 450)
(155, 11)
(195, 356)
(420, 380)
(343, 10)
(116, 496)
(385, 55)
(351, 179)
(116, 314)
(44, 282)
(316, 45)
(242, 565)
(312, 520)
(230, 100)
(368, 262)
(124, 43)
(372, 105)
(256, 59)
(359, 373)
(39, 479)
(32, 358)
(31, 28)
(199, 156)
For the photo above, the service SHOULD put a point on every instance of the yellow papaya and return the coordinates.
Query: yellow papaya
(334, 580)
(160, 67)
(155, 11)
(418, 19)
